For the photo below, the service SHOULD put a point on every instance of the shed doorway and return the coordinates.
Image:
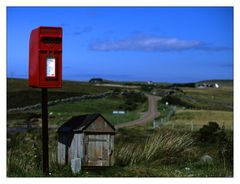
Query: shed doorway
(98, 150)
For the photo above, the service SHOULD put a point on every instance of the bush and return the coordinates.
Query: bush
(132, 100)
(147, 88)
(210, 133)
(177, 99)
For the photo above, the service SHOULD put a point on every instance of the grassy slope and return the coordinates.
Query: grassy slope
(105, 106)
(212, 98)
(19, 94)
(185, 118)
(179, 163)
(209, 104)
(27, 146)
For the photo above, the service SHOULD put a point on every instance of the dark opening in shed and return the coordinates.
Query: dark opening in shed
(89, 137)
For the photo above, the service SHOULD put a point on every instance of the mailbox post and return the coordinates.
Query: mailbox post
(45, 71)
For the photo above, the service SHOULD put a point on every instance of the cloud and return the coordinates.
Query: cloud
(153, 43)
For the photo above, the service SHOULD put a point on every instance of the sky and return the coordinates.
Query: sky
(162, 44)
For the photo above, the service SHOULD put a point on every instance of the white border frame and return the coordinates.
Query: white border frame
(3, 17)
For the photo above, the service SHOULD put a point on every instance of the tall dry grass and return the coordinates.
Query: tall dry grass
(159, 146)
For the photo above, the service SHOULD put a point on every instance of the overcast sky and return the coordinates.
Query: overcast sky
(164, 44)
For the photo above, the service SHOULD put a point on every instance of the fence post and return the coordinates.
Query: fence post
(192, 127)
(154, 124)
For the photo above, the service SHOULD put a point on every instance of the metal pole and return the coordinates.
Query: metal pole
(45, 130)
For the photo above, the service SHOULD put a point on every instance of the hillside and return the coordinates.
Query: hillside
(19, 94)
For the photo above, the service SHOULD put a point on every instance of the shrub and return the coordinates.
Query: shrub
(177, 99)
(132, 100)
(210, 133)
(147, 88)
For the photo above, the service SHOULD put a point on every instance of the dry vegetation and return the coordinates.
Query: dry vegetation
(187, 117)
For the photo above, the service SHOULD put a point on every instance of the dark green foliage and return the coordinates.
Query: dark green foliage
(173, 155)
(177, 99)
(132, 100)
(147, 88)
(166, 112)
(19, 94)
(32, 97)
(210, 133)
(24, 153)
(213, 135)
(225, 148)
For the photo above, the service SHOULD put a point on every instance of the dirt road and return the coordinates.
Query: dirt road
(147, 116)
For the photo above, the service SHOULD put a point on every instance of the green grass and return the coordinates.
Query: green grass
(60, 113)
(197, 98)
(185, 118)
(19, 94)
(140, 151)
(174, 157)
(104, 106)
(212, 98)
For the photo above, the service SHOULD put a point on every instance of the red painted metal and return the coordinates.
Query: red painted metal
(45, 46)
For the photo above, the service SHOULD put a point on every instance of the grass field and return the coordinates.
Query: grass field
(60, 113)
(212, 98)
(104, 106)
(200, 98)
(164, 153)
(140, 151)
(186, 118)
(19, 94)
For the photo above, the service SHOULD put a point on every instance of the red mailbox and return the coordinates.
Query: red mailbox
(45, 57)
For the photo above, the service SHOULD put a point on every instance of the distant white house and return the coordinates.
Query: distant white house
(217, 85)
(204, 85)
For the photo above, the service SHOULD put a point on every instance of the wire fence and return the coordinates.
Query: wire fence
(169, 111)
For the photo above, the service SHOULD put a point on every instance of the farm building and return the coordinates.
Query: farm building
(96, 80)
(87, 137)
(204, 85)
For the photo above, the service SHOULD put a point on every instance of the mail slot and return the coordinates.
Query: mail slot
(45, 57)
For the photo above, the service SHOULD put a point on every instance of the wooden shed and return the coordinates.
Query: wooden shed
(88, 137)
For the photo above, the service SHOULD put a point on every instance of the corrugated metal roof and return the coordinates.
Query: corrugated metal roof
(79, 123)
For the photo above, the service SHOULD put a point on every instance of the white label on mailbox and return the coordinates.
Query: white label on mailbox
(51, 64)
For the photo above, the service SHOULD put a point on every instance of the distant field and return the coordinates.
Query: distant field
(60, 113)
(198, 106)
(185, 119)
(199, 98)
(19, 94)
(212, 98)
(220, 82)
(105, 106)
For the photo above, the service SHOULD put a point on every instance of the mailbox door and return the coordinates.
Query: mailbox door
(51, 69)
